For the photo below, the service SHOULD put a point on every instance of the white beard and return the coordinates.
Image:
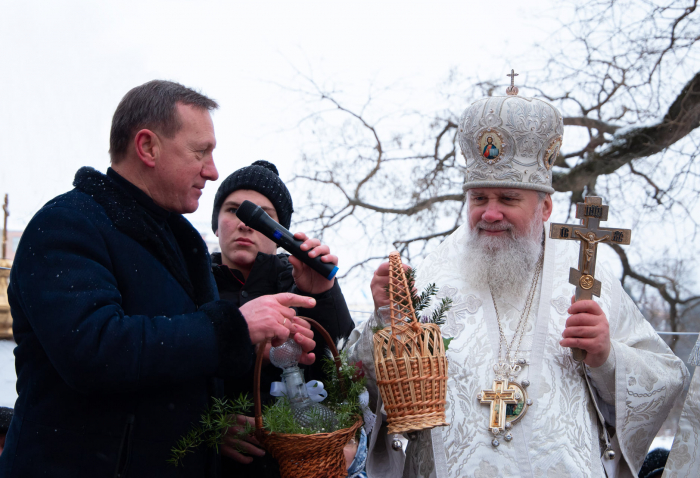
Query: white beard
(507, 263)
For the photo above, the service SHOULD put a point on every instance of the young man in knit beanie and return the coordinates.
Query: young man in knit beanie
(249, 267)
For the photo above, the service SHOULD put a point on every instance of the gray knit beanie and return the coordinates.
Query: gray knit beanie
(263, 177)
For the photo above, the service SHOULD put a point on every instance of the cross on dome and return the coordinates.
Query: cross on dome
(512, 90)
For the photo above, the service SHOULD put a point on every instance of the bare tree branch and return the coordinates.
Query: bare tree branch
(610, 74)
(427, 237)
(668, 289)
(601, 126)
(409, 211)
(682, 117)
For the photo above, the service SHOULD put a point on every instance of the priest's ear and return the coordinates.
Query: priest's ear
(546, 201)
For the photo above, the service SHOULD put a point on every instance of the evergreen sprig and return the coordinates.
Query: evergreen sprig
(422, 302)
(440, 313)
(213, 427)
(411, 281)
(349, 376)
(216, 421)
(279, 417)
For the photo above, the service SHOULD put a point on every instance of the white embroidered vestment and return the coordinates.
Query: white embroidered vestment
(684, 459)
(559, 434)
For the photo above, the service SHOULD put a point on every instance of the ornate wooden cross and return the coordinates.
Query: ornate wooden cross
(500, 397)
(590, 234)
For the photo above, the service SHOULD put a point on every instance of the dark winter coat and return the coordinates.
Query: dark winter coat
(272, 274)
(120, 337)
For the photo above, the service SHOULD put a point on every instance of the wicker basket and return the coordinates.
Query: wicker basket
(303, 456)
(410, 362)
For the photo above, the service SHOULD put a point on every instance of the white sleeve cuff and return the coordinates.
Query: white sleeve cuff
(603, 378)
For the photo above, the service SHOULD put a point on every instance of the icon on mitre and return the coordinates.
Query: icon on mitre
(491, 146)
(490, 150)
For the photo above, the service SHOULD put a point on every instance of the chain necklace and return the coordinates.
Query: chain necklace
(519, 330)
(506, 391)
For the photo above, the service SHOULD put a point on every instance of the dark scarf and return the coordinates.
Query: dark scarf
(145, 224)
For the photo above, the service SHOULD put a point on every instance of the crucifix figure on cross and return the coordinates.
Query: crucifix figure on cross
(591, 211)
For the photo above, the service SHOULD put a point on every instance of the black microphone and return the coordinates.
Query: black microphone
(256, 218)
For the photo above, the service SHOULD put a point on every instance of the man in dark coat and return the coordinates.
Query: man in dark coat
(248, 267)
(121, 337)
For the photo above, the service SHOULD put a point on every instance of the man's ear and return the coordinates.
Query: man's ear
(147, 147)
(547, 208)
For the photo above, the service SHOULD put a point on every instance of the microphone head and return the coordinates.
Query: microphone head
(245, 212)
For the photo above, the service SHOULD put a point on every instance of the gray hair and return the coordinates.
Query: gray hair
(152, 106)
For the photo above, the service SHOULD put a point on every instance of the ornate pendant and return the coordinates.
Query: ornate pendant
(509, 402)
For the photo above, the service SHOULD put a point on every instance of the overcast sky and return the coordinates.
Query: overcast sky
(65, 66)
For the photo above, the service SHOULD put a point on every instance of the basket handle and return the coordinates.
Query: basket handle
(260, 348)
(398, 283)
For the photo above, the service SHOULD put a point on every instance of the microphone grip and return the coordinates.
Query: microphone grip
(256, 218)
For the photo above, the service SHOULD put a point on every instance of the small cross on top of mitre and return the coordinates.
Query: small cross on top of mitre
(512, 90)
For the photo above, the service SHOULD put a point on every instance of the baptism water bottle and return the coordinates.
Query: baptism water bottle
(305, 410)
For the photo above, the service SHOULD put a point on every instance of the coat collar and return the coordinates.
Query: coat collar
(132, 219)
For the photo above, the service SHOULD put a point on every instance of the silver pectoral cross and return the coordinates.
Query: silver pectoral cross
(590, 234)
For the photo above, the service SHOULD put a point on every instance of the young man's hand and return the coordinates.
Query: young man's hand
(306, 279)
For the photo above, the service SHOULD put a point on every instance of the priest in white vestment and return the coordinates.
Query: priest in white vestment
(509, 285)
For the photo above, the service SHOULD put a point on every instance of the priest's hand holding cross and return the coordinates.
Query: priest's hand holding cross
(587, 329)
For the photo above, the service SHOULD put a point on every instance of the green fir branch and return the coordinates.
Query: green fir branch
(213, 427)
(423, 301)
(440, 313)
(279, 417)
(216, 421)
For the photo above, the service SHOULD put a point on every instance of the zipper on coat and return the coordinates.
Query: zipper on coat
(125, 449)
